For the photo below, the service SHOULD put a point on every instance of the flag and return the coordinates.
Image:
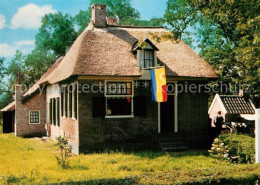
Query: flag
(158, 80)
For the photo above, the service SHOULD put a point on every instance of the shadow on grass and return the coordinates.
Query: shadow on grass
(111, 181)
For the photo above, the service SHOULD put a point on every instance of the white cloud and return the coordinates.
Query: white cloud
(8, 50)
(24, 43)
(2, 21)
(29, 16)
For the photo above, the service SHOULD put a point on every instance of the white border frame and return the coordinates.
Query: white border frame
(120, 96)
(30, 117)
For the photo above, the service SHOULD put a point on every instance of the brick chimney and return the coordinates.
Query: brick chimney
(111, 21)
(99, 14)
(18, 109)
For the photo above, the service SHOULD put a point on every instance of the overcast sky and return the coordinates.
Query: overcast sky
(20, 19)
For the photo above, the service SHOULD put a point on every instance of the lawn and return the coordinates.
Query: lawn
(29, 161)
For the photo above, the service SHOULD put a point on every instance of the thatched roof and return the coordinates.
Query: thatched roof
(10, 107)
(107, 52)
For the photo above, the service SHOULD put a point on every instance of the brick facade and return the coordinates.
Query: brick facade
(22, 125)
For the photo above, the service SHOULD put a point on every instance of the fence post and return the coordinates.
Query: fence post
(257, 136)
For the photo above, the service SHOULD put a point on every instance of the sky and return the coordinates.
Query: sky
(21, 19)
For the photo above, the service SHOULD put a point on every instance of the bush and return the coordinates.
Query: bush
(238, 148)
(219, 149)
(64, 152)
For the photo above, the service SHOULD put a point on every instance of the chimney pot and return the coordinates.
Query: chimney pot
(111, 21)
(99, 14)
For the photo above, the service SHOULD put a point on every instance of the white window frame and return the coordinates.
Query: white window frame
(73, 101)
(30, 117)
(140, 58)
(120, 96)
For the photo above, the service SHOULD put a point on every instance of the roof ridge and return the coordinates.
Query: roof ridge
(132, 26)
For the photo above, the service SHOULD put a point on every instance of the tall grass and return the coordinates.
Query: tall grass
(27, 161)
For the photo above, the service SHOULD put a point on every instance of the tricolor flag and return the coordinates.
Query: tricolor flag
(159, 90)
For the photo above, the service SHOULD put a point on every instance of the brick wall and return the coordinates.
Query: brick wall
(22, 125)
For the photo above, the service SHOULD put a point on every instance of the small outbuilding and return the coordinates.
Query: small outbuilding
(232, 107)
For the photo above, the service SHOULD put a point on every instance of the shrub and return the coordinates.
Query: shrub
(219, 149)
(64, 152)
(236, 146)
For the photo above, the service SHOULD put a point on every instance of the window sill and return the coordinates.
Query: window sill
(34, 123)
(126, 116)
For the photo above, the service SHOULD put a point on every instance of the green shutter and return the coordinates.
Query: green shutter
(54, 111)
(76, 101)
(58, 111)
(62, 103)
(66, 101)
(50, 111)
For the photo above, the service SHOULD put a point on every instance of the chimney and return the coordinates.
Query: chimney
(99, 14)
(19, 112)
(111, 21)
(241, 92)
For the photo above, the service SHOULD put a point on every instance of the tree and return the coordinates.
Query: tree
(56, 34)
(16, 69)
(37, 63)
(227, 33)
(120, 9)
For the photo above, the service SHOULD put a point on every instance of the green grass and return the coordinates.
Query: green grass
(27, 161)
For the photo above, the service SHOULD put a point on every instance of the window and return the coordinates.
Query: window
(54, 111)
(62, 101)
(50, 111)
(70, 100)
(147, 58)
(66, 101)
(119, 88)
(58, 111)
(119, 106)
(34, 117)
(75, 101)
(119, 99)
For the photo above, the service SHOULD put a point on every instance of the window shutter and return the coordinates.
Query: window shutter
(95, 107)
(76, 101)
(50, 111)
(54, 110)
(62, 103)
(70, 101)
(102, 106)
(98, 107)
(139, 106)
(66, 101)
(58, 111)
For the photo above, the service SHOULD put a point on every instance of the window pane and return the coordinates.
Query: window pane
(119, 106)
(34, 117)
(119, 88)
